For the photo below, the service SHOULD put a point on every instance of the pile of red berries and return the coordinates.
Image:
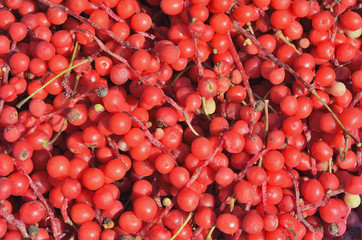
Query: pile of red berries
(180, 119)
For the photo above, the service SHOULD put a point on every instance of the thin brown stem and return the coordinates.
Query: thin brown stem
(110, 12)
(64, 212)
(297, 201)
(242, 173)
(326, 197)
(245, 78)
(356, 99)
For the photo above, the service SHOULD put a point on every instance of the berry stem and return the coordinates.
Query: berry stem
(242, 173)
(204, 108)
(281, 36)
(197, 172)
(248, 205)
(49, 115)
(64, 212)
(334, 27)
(244, 76)
(356, 99)
(113, 145)
(65, 80)
(313, 164)
(58, 133)
(10, 219)
(109, 11)
(182, 112)
(297, 201)
(209, 234)
(326, 197)
(264, 196)
(37, 192)
(196, 233)
(182, 227)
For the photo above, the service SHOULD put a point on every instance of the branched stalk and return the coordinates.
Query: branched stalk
(266, 112)
(242, 173)
(193, 178)
(49, 115)
(237, 234)
(297, 201)
(326, 197)
(299, 79)
(113, 145)
(108, 51)
(10, 219)
(248, 205)
(334, 27)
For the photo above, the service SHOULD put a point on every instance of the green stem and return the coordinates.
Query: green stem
(292, 230)
(21, 103)
(205, 108)
(313, 91)
(183, 225)
(209, 234)
(58, 133)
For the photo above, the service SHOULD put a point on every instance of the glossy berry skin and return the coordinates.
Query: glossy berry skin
(89, 230)
(312, 191)
(32, 212)
(145, 208)
(205, 112)
(227, 223)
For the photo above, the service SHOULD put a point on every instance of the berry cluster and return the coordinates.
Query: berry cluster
(180, 119)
